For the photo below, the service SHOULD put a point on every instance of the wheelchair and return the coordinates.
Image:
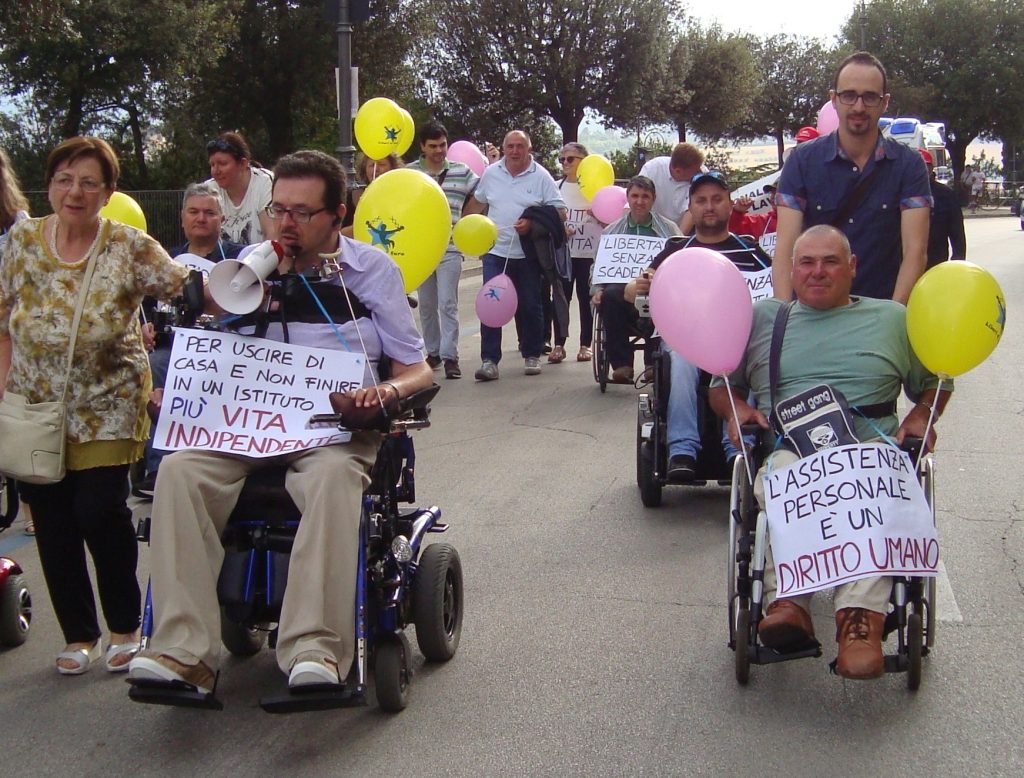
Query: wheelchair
(15, 597)
(652, 435)
(401, 580)
(911, 615)
(640, 332)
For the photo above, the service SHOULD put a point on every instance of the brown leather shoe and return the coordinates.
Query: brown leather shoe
(859, 635)
(622, 375)
(786, 626)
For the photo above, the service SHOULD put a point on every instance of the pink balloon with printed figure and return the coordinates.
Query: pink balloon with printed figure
(702, 308)
(608, 204)
(469, 155)
(496, 302)
(828, 119)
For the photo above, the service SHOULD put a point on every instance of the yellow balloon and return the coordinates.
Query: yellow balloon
(124, 209)
(955, 317)
(594, 173)
(475, 235)
(407, 133)
(405, 213)
(378, 127)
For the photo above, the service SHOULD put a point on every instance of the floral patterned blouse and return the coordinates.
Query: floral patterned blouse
(110, 379)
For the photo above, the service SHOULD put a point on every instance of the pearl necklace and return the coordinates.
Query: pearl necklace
(88, 253)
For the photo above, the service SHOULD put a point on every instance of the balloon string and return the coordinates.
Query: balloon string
(928, 426)
(739, 432)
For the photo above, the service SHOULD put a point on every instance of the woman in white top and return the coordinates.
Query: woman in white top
(244, 190)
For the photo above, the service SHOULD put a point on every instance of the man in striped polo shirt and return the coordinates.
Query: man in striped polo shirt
(439, 294)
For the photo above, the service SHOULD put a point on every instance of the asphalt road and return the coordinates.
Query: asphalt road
(594, 640)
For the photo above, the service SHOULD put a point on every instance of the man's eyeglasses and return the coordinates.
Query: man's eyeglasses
(65, 182)
(850, 97)
(563, 160)
(711, 175)
(298, 215)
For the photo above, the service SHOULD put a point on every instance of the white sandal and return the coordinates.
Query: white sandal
(82, 657)
(120, 649)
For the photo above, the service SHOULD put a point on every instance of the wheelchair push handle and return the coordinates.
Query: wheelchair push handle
(913, 447)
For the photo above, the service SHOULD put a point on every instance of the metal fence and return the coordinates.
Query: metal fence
(162, 209)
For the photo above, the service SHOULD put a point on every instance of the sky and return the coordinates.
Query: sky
(815, 18)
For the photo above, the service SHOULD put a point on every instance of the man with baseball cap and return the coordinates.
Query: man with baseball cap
(709, 207)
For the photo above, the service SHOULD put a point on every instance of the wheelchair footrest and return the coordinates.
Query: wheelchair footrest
(320, 696)
(175, 693)
(767, 656)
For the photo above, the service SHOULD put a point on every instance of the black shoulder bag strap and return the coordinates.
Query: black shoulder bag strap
(775, 357)
(853, 200)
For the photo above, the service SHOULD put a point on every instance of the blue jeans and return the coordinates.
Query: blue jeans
(526, 278)
(683, 423)
(439, 308)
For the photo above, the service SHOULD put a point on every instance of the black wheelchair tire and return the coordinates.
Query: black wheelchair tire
(15, 611)
(437, 602)
(239, 639)
(9, 502)
(742, 648)
(915, 650)
(391, 674)
(599, 359)
(650, 489)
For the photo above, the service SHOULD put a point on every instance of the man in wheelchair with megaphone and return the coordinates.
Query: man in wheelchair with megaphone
(362, 290)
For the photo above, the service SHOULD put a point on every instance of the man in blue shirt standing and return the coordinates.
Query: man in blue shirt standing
(872, 188)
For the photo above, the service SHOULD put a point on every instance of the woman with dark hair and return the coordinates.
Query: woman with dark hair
(51, 266)
(244, 188)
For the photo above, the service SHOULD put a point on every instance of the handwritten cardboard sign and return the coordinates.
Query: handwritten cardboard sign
(245, 395)
(847, 513)
(759, 283)
(621, 258)
(195, 262)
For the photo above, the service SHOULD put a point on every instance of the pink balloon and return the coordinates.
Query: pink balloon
(701, 307)
(828, 119)
(608, 203)
(496, 302)
(469, 155)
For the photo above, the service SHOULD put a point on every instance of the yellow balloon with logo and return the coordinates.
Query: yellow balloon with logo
(405, 213)
(594, 174)
(407, 134)
(475, 234)
(378, 127)
(955, 317)
(124, 209)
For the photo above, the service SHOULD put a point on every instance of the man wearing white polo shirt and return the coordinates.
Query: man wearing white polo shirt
(506, 189)
(671, 177)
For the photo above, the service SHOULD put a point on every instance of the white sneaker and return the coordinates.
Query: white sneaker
(488, 372)
(532, 366)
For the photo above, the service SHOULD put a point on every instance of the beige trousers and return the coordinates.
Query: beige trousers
(871, 593)
(196, 492)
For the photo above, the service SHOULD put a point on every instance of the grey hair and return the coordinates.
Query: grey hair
(201, 189)
(821, 230)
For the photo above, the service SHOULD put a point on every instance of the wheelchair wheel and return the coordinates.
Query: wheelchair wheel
(650, 489)
(742, 644)
(8, 502)
(915, 649)
(391, 673)
(239, 639)
(599, 360)
(15, 611)
(437, 602)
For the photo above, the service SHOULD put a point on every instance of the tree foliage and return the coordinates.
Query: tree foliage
(499, 59)
(956, 61)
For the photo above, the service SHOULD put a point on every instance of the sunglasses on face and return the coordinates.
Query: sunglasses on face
(220, 145)
(564, 160)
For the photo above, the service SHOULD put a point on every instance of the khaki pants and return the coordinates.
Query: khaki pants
(196, 492)
(870, 593)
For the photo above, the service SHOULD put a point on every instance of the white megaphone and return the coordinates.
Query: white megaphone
(236, 285)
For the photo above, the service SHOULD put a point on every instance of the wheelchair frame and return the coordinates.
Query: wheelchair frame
(599, 361)
(400, 581)
(911, 617)
(652, 436)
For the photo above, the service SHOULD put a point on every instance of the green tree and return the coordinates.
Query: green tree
(710, 84)
(503, 58)
(793, 75)
(955, 61)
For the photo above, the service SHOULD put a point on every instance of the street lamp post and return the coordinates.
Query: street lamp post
(345, 150)
(863, 26)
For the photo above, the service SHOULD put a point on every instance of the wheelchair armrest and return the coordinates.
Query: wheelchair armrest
(418, 401)
(912, 446)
